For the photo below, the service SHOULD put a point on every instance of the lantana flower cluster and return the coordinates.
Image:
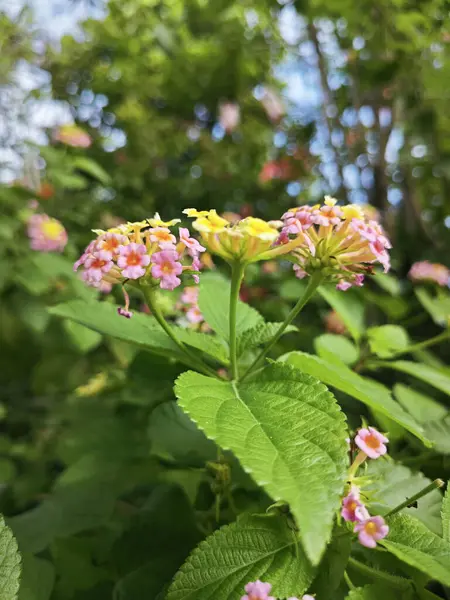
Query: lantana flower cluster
(259, 590)
(338, 240)
(46, 234)
(142, 250)
(370, 530)
(248, 240)
(427, 271)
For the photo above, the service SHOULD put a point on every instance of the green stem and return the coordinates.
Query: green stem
(314, 282)
(194, 361)
(237, 274)
(372, 573)
(445, 335)
(436, 484)
(348, 581)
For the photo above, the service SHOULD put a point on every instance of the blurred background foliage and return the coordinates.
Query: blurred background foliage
(341, 98)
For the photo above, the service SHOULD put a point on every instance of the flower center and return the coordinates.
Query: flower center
(133, 259)
(98, 264)
(372, 441)
(52, 230)
(353, 506)
(166, 268)
(370, 528)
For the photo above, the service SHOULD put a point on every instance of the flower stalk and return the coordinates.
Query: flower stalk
(313, 283)
(197, 363)
(236, 280)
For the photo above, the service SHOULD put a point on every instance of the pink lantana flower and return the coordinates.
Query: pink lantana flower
(427, 271)
(162, 237)
(371, 530)
(258, 591)
(95, 267)
(194, 315)
(189, 295)
(108, 245)
(353, 510)
(371, 442)
(193, 246)
(133, 259)
(229, 115)
(165, 266)
(46, 234)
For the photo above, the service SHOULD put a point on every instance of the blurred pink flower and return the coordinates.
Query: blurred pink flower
(46, 234)
(165, 266)
(229, 115)
(258, 591)
(72, 135)
(426, 271)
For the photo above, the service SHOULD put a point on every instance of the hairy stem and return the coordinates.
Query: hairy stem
(193, 361)
(237, 275)
(393, 580)
(441, 337)
(314, 282)
(436, 484)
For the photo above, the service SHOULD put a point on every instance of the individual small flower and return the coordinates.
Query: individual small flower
(189, 295)
(165, 266)
(193, 246)
(426, 271)
(133, 259)
(229, 115)
(46, 234)
(72, 135)
(157, 222)
(194, 315)
(258, 590)
(371, 442)
(162, 237)
(340, 242)
(371, 530)
(353, 510)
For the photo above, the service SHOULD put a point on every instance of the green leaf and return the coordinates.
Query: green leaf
(71, 509)
(141, 329)
(393, 483)
(260, 334)
(387, 340)
(214, 302)
(92, 168)
(253, 548)
(288, 433)
(413, 543)
(439, 433)
(205, 342)
(174, 435)
(336, 348)
(387, 282)
(168, 519)
(10, 563)
(83, 338)
(445, 514)
(435, 377)
(38, 578)
(371, 393)
(438, 307)
(348, 306)
(421, 407)
(331, 568)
